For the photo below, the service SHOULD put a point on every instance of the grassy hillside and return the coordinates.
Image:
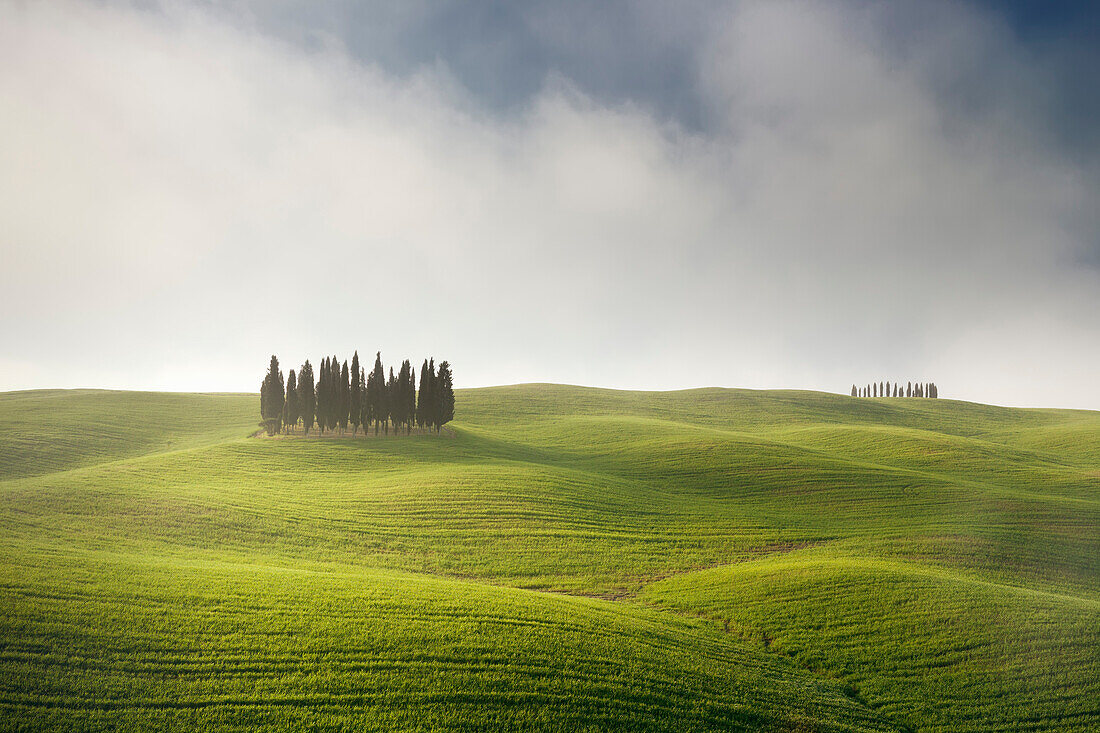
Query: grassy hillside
(53, 430)
(731, 559)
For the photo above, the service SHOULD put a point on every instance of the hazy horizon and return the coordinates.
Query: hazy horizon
(554, 384)
(762, 195)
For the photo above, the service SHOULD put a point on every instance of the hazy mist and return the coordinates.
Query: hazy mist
(758, 194)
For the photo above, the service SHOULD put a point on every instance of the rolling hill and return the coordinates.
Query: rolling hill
(566, 558)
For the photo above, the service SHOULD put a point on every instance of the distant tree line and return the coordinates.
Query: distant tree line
(885, 389)
(343, 395)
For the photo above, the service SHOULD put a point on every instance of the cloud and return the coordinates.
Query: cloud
(183, 192)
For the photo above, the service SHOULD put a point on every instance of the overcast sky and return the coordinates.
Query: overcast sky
(628, 194)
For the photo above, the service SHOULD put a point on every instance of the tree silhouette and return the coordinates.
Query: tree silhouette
(344, 386)
(343, 393)
(421, 406)
(376, 388)
(446, 394)
(272, 398)
(361, 406)
(307, 397)
(425, 406)
(290, 407)
(409, 394)
(392, 408)
(355, 409)
(322, 396)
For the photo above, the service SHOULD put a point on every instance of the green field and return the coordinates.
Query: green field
(565, 558)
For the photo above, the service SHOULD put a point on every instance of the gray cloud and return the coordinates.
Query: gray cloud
(842, 192)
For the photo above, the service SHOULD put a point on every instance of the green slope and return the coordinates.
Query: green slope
(53, 430)
(199, 644)
(931, 650)
(915, 564)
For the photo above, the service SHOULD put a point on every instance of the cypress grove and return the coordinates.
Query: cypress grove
(894, 389)
(344, 395)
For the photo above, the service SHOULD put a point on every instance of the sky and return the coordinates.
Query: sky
(640, 195)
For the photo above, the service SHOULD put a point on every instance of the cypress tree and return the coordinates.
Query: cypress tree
(290, 418)
(272, 398)
(426, 404)
(330, 393)
(372, 399)
(392, 401)
(369, 398)
(355, 408)
(421, 405)
(853, 390)
(376, 388)
(400, 398)
(337, 394)
(410, 395)
(361, 407)
(332, 390)
(446, 394)
(307, 397)
(345, 397)
(397, 398)
(365, 415)
(433, 394)
(278, 398)
(322, 396)
(909, 389)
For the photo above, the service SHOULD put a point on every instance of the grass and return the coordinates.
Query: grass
(570, 558)
(933, 650)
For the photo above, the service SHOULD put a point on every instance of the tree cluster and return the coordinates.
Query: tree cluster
(343, 395)
(885, 389)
